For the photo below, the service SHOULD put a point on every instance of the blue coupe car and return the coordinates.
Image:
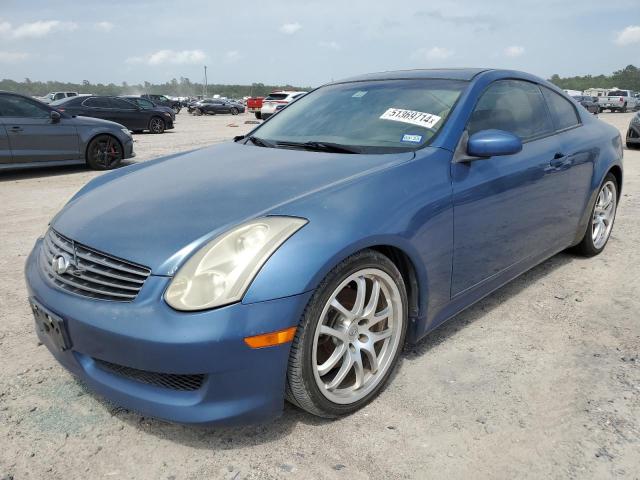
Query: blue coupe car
(295, 262)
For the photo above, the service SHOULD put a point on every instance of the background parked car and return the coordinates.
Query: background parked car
(618, 101)
(633, 133)
(146, 104)
(164, 101)
(34, 134)
(254, 105)
(275, 99)
(216, 106)
(53, 96)
(117, 110)
(590, 103)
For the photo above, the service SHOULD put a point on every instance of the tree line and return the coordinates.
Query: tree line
(628, 78)
(178, 88)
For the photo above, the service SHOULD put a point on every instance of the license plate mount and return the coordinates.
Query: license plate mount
(51, 325)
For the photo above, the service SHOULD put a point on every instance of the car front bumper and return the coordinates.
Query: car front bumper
(239, 384)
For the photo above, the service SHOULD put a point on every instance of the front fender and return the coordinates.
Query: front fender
(415, 216)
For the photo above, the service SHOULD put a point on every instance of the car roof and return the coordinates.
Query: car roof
(426, 73)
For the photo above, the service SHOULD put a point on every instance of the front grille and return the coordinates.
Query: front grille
(91, 273)
(171, 381)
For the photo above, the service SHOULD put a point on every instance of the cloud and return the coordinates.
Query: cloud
(104, 26)
(330, 45)
(232, 56)
(628, 36)
(12, 57)
(290, 28)
(164, 57)
(433, 53)
(477, 21)
(38, 29)
(514, 51)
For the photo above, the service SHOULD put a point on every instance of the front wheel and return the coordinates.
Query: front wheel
(234, 111)
(349, 338)
(258, 115)
(156, 125)
(602, 217)
(104, 153)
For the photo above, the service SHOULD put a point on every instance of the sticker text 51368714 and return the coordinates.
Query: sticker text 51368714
(421, 119)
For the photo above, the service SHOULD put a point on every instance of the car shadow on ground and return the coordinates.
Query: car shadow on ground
(229, 438)
(44, 172)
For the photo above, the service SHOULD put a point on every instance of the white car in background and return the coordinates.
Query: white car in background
(277, 101)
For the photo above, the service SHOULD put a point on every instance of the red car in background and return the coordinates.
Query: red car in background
(254, 105)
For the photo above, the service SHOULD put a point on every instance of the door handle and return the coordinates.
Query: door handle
(559, 160)
(16, 129)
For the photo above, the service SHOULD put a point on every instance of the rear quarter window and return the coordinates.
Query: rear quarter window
(563, 112)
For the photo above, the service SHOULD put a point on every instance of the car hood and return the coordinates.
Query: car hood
(157, 213)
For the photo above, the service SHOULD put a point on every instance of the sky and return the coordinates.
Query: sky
(308, 42)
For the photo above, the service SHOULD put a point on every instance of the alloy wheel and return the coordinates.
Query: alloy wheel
(604, 213)
(357, 336)
(106, 152)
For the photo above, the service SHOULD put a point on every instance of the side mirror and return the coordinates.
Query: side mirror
(55, 116)
(492, 143)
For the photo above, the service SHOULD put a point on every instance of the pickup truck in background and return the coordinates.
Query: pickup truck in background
(254, 105)
(53, 96)
(618, 101)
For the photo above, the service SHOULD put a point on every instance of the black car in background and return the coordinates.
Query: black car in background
(146, 104)
(633, 133)
(33, 134)
(117, 110)
(164, 101)
(590, 103)
(215, 106)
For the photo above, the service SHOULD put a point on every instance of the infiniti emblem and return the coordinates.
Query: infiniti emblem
(60, 264)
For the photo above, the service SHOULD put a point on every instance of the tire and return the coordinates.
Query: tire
(306, 385)
(624, 108)
(234, 111)
(258, 115)
(633, 146)
(592, 244)
(157, 125)
(104, 152)
(600, 109)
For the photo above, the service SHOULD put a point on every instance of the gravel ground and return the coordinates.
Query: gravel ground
(539, 380)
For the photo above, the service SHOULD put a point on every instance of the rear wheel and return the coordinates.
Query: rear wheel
(258, 115)
(156, 125)
(104, 153)
(349, 338)
(602, 217)
(624, 108)
(234, 111)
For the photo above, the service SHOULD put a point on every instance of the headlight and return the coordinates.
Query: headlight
(167, 114)
(126, 132)
(221, 272)
(636, 119)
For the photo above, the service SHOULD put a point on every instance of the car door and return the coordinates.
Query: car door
(505, 207)
(32, 134)
(571, 172)
(5, 149)
(127, 114)
(97, 107)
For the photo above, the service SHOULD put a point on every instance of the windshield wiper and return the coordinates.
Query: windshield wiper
(321, 147)
(260, 142)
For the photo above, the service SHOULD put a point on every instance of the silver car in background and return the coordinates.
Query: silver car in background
(276, 101)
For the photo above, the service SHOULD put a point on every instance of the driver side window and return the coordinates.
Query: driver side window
(514, 106)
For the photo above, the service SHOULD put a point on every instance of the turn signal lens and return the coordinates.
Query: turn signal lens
(271, 339)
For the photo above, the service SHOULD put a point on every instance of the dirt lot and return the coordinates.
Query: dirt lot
(540, 380)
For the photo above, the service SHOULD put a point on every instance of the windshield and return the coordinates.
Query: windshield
(617, 93)
(372, 117)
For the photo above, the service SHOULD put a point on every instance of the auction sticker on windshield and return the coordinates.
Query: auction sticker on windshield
(421, 119)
